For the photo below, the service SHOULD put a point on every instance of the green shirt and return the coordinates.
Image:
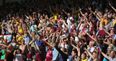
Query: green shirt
(3, 54)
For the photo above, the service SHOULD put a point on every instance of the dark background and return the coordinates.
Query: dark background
(52, 5)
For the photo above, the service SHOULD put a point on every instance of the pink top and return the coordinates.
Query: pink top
(49, 55)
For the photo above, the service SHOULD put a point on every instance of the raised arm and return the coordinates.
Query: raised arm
(107, 32)
(65, 23)
(94, 13)
(82, 14)
(89, 53)
(91, 37)
(112, 7)
(51, 10)
(65, 12)
(78, 49)
(105, 55)
(14, 53)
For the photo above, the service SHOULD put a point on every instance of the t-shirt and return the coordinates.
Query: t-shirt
(103, 21)
(29, 55)
(3, 54)
(55, 17)
(112, 59)
(55, 54)
(27, 40)
(84, 59)
(64, 56)
(114, 22)
(38, 58)
(20, 29)
(39, 43)
(33, 28)
(18, 57)
(20, 39)
(49, 55)
(8, 38)
(114, 36)
(70, 58)
(101, 32)
(105, 59)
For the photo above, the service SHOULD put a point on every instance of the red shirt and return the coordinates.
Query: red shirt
(101, 33)
(49, 55)
(38, 58)
(29, 55)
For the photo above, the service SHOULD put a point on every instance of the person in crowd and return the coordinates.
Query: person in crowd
(35, 32)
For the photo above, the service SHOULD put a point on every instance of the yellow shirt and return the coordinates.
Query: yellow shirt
(84, 60)
(20, 39)
(103, 21)
(20, 29)
(114, 22)
(55, 17)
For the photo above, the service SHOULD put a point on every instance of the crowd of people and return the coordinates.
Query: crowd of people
(32, 34)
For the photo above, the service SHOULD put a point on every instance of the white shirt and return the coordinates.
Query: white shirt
(112, 59)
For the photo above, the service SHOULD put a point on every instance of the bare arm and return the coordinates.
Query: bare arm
(78, 49)
(51, 10)
(107, 32)
(105, 55)
(89, 53)
(112, 7)
(14, 53)
(91, 37)
(97, 16)
(65, 12)
(78, 26)
(82, 14)
(65, 23)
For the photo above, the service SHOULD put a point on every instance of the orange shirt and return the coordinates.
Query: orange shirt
(103, 22)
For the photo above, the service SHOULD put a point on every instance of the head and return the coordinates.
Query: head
(112, 54)
(109, 49)
(112, 31)
(91, 43)
(74, 52)
(95, 54)
(69, 15)
(114, 42)
(83, 56)
(18, 51)
(33, 34)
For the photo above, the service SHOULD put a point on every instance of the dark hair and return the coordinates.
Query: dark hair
(75, 50)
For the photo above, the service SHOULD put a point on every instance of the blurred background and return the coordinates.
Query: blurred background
(72, 6)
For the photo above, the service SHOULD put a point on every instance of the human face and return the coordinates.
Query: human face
(18, 52)
(83, 56)
(95, 55)
(108, 50)
(91, 43)
(73, 53)
(112, 54)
